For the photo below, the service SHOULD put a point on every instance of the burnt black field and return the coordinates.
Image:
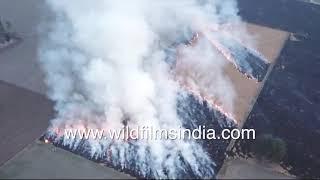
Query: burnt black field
(247, 62)
(289, 104)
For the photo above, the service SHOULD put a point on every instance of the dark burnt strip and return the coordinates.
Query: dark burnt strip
(246, 60)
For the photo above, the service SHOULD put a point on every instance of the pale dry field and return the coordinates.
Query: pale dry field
(269, 43)
(251, 169)
(39, 160)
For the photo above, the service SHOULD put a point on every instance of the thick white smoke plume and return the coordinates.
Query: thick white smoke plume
(106, 63)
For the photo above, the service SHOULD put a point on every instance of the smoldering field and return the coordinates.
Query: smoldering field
(106, 65)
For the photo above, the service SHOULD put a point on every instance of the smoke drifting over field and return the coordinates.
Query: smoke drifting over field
(105, 64)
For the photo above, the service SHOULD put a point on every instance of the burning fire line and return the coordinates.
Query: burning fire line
(213, 103)
(210, 100)
(222, 50)
(224, 29)
(226, 53)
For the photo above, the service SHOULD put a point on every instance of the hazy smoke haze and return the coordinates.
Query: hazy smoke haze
(105, 65)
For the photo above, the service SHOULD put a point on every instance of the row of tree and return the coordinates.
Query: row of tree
(269, 147)
(4, 31)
